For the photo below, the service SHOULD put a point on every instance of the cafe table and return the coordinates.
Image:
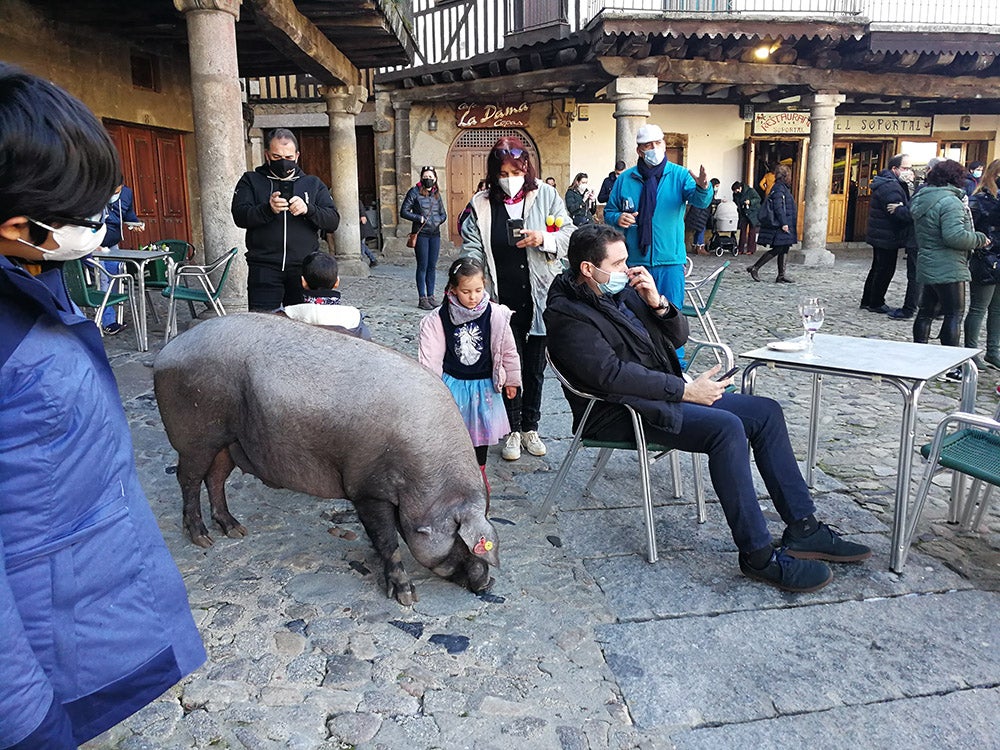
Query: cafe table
(137, 260)
(905, 365)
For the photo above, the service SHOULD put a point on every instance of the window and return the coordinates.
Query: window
(145, 71)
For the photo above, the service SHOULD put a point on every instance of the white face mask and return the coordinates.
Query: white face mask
(115, 197)
(654, 156)
(73, 241)
(511, 185)
(583, 188)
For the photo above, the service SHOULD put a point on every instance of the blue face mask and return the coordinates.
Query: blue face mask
(654, 156)
(617, 280)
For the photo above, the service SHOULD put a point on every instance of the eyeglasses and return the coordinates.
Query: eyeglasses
(94, 222)
(513, 153)
(426, 169)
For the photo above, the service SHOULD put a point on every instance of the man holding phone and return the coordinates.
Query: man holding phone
(613, 334)
(284, 212)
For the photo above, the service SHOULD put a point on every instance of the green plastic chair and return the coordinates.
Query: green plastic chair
(642, 449)
(972, 449)
(158, 272)
(698, 305)
(207, 292)
(88, 297)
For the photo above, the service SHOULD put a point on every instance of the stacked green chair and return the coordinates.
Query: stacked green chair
(88, 297)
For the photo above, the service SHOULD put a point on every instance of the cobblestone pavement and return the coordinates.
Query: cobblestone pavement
(582, 644)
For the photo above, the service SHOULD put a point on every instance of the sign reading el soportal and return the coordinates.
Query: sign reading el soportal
(493, 115)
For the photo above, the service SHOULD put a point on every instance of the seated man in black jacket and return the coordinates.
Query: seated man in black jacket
(284, 210)
(611, 333)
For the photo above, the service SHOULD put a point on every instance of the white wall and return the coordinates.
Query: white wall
(715, 138)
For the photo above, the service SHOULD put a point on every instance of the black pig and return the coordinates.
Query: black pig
(332, 416)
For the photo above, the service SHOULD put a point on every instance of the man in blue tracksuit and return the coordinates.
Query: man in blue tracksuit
(94, 617)
(648, 202)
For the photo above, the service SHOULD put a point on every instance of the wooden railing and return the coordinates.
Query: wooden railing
(292, 88)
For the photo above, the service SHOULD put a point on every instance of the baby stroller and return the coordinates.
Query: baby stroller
(724, 226)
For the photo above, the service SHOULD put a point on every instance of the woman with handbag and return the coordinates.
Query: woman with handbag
(425, 208)
(519, 231)
(984, 267)
(945, 237)
(778, 214)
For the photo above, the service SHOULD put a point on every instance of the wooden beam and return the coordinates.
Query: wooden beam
(303, 43)
(907, 85)
(488, 89)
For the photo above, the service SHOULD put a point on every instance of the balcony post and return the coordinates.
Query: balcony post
(631, 97)
(220, 138)
(819, 166)
(343, 103)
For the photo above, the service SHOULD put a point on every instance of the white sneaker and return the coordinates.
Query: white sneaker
(512, 447)
(532, 443)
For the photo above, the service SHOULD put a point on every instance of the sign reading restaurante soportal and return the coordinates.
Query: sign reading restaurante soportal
(493, 115)
(788, 123)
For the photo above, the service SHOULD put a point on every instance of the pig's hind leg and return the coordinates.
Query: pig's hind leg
(215, 482)
(379, 519)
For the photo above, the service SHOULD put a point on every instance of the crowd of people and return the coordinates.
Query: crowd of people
(537, 271)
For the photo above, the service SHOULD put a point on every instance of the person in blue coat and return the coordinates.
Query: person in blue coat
(648, 202)
(118, 214)
(94, 617)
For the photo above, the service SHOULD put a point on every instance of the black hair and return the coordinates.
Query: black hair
(736, 185)
(282, 134)
(619, 166)
(56, 159)
(589, 244)
(580, 176)
(947, 172)
(716, 181)
(463, 268)
(896, 161)
(319, 269)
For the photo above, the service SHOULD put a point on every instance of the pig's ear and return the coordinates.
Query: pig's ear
(480, 537)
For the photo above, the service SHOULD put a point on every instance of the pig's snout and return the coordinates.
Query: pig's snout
(466, 570)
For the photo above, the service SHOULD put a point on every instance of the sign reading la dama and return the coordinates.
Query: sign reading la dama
(493, 115)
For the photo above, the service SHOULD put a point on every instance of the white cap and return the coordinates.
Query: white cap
(648, 134)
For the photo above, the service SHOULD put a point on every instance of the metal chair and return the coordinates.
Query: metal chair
(86, 296)
(208, 293)
(698, 305)
(639, 445)
(158, 272)
(971, 449)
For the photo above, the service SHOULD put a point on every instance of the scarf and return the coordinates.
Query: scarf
(460, 314)
(647, 201)
(322, 296)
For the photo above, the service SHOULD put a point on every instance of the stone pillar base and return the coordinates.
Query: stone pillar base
(818, 257)
(355, 267)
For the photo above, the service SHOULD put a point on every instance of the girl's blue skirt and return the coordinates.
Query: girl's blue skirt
(481, 407)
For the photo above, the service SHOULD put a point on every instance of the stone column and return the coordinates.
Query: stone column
(819, 166)
(220, 139)
(343, 103)
(404, 176)
(385, 167)
(631, 97)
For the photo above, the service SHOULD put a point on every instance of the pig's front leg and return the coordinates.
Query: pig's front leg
(379, 519)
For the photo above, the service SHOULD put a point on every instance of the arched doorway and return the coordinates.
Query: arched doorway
(467, 166)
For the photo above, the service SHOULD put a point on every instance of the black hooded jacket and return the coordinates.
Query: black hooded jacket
(266, 230)
(889, 230)
(597, 348)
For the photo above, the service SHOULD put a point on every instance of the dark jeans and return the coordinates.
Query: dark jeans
(722, 431)
(269, 288)
(524, 410)
(951, 298)
(879, 276)
(427, 250)
(913, 287)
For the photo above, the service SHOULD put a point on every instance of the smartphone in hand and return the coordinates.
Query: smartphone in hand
(728, 374)
(515, 227)
(285, 189)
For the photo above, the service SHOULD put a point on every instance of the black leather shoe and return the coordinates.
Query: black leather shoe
(884, 309)
(783, 280)
(752, 270)
(900, 314)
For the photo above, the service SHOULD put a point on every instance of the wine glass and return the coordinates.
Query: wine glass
(812, 310)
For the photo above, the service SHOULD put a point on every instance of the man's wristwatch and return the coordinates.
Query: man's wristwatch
(663, 304)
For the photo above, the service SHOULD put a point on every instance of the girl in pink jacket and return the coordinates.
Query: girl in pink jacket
(469, 343)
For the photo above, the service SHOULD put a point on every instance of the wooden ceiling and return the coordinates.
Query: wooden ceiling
(706, 60)
(369, 33)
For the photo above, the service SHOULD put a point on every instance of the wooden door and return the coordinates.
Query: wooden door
(153, 165)
(839, 185)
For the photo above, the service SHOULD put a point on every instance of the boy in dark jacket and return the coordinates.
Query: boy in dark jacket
(890, 227)
(322, 307)
(284, 210)
(611, 333)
